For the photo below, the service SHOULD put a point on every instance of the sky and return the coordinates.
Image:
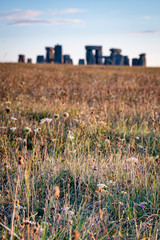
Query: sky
(27, 27)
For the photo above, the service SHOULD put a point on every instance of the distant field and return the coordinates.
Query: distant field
(79, 152)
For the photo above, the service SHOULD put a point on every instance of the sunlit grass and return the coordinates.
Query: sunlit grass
(79, 152)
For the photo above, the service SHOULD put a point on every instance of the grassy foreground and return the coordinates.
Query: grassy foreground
(79, 152)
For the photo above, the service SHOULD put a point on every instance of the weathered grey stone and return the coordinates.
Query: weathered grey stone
(96, 57)
(126, 61)
(29, 60)
(67, 59)
(21, 58)
(107, 60)
(135, 62)
(58, 54)
(119, 60)
(40, 59)
(49, 54)
(81, 62)
(142, 59)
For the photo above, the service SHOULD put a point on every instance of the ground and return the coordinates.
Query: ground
(79, 149)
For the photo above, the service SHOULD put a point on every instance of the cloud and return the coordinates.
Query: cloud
(147, 32)
(42, 21)
(18, 17)
(16, 14)
(147, 17)
(67, 11)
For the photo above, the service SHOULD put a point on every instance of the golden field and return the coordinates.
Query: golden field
(80, 152)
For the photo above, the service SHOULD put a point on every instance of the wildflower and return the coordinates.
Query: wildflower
(101, 185)
(122, 139)
(65, 115)
(132, 159)
(111, 183)
(71, 212)
(107, 141)
(56, 192)
(13, 129)
(27, 130)
(46, 120)
(56, 116)
(64, 208)
(101, 122)
(76, 235)
(27, 222)
(143, 203)
(37, 129)
(71, 137)
(123, 192)
(137, 138)
(13, 118)
(140, 146)
(7, 102)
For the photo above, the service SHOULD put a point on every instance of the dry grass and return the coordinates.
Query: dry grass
(82, 159)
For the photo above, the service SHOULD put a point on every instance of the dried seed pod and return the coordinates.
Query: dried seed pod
(20, 161)
(76, 235)
(56, 192)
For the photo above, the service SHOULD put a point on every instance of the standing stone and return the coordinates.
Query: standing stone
(58, 54)
(126, 61)
(21, 58)
(81, 62)
(29, 60)
(67, 59)
(49, 54)
(94, 57)
(107, 60)
(119, 60)
(135, 62)
(142, 60)
(40, 59)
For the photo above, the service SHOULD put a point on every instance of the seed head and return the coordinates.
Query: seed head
(56, 116)
(56, 192)
(65, 115)
(76, 235)
(59, 216)
(100, 214)
(8, 109)
(20, 161)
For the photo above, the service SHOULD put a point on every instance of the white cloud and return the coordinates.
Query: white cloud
(147, 32)
(67, 11)
(20, 17)
(16, 14)
(147, 17)
(25, 22)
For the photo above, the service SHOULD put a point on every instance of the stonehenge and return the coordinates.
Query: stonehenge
(94, 56)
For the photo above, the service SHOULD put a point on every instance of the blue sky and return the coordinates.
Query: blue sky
(27, 27)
